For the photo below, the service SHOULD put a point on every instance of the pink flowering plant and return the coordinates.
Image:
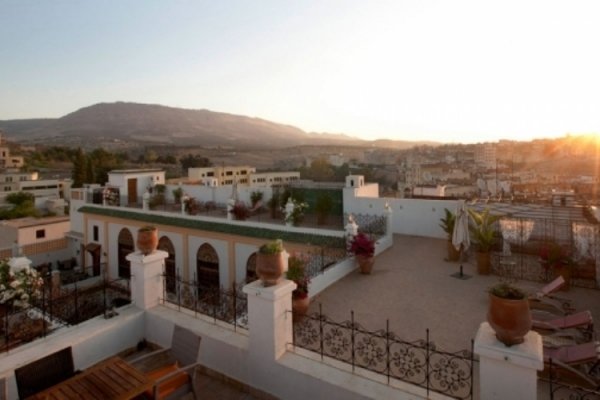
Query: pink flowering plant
(362, 245)
(19, 285)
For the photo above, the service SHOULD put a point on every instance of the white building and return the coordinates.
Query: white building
(485, 155)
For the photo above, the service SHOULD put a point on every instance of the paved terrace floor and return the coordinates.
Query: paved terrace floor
(411, 286)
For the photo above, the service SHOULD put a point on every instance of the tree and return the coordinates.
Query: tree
(320, 170)
(79, 165)
(194, 161)
(23, 206)
(89, 170)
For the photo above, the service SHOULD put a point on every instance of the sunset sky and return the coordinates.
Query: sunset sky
(452, 71)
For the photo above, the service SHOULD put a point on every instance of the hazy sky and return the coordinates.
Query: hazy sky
(453, 71)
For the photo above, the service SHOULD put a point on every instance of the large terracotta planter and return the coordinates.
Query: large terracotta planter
(453, 254)
(269, 268)
(484, 263)
(365, 263)
(510, 319)
(147, 240)
(300, 307)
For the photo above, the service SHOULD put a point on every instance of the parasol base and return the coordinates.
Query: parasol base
(461, 275)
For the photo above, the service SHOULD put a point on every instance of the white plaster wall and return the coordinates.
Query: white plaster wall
(220, 246)
(8, 236)
(177, 240)
(242, 253)
(292, 377)
(113, 246)
(75, 216)
(220, 194)
(92, 341)
(415, 217)
(53, 231)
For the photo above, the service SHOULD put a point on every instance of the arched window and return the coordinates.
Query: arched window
(125, 246)
(165, 244)
(251, 268)
(207, 267)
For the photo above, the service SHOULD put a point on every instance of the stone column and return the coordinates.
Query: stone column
(269, 319)
(508, 372)
(146, 278)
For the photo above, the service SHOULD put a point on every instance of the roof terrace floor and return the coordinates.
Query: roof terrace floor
(411, 285)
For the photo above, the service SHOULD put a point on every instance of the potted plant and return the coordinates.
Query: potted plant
(483, 235)
(363, 248)
(447, 224)
(147, 239)
(557, 259)
(240, 211)
(177, 195)
(20, 285)
(255, 197)
(509, 313)
(270, 263)
(297, 272)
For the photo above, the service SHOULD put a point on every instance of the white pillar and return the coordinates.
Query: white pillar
(269, 319)
(146, 201)
(146, 278)
(230, 205)
(289, 210)
(508, 372)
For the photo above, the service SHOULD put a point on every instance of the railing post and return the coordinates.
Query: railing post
(146, 282)
(353, 337)
(508, 372)
(427, 358)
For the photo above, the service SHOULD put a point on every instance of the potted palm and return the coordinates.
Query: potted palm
(483, 235)
(363, 248)
(447, 224)
(270, 263)
(509, 313)
(297, 272)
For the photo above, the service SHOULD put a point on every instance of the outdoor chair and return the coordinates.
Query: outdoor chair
(574, 363)
(544, 300)
(171, 368)
(184, 349)
(44, 373)
(582, 320)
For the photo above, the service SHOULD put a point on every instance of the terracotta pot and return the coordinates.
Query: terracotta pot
(269, 268)
(300, 307)
(510, 319)
(484, 262)
(453, 254)
(365, 263)
(147, 240)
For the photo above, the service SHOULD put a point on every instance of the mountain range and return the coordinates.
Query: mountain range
(155, 124)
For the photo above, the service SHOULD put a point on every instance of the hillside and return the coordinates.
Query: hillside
(133, 124)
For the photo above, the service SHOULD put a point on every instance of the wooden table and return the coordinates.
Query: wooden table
(111, 379)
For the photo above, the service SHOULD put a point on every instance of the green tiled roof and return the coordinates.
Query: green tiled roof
(249, 231)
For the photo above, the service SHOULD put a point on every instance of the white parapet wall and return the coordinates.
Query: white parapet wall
(292, 376)
(92, 341)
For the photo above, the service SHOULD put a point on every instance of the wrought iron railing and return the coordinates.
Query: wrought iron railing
(60, 306)
(559, 390)
(323, 257)
(373, 225)
(226, 305)
(525, 258)
(420, 362)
